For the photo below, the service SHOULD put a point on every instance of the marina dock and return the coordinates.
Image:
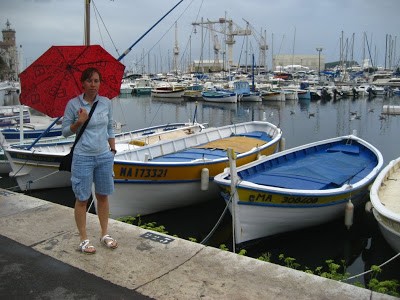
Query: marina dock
(149, 264)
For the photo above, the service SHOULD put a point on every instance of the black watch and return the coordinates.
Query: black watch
(113, 150)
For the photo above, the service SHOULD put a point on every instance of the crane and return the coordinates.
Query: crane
(176, 49)
(217, 47)
(262, 44)
(230, 33)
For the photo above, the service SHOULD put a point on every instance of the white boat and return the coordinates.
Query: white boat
(244, 93)
(167, 90)
(14, 114)
(19, 125)
(7, 89)
(290, 94)
(193, 91)
(142, 86)
(370, 90)
(300, 187)
(391, 109)
(180, 172)
(219, 95)
(385, 199)
(273, 95)
(127, 87)
(36, 167)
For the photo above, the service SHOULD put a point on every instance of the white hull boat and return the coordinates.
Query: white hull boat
(37, 167)
(300, 187)
(385, 199)
(180, 172)
(167, 90)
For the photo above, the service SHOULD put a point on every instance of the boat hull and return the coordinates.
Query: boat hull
(132, 199)
(390, 230)
(384, 197)
(165, 93)
(273, 96)
(251, 97)
(300, 187)
(13, 134)
(219, 96)
(259, 220)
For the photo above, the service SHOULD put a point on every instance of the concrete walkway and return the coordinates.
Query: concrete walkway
(147, 264)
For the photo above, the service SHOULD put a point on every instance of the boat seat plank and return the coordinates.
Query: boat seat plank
(239, 144)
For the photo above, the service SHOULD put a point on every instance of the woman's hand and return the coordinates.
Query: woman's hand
(82, 116)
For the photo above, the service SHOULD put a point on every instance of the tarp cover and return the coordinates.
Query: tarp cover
(317, 171)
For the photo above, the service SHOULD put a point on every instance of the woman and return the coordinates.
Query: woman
(93, 156)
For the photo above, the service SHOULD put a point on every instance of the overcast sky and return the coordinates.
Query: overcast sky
(290, 27)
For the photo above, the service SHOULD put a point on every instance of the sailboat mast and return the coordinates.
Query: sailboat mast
(87, 22)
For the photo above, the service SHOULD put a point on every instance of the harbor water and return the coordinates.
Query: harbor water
(301, 122)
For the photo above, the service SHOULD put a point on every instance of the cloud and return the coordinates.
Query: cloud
(291, 26)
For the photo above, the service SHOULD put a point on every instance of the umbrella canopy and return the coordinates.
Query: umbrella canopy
(54, 78)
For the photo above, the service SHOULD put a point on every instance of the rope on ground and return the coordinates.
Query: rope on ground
(217, 224)
(369, 271)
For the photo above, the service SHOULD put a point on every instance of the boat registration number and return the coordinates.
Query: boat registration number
(282, 199)
(143, 172)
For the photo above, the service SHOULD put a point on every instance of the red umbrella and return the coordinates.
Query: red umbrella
(54, 78)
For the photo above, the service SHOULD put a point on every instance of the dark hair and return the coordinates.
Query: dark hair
(87, 73)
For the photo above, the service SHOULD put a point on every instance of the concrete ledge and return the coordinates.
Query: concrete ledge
(178, 269)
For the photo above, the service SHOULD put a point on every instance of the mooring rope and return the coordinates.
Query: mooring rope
(218, 223)
(40, 178)
(369, 271)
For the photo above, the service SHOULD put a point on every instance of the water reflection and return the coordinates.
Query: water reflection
(303, 122)
(360, 247)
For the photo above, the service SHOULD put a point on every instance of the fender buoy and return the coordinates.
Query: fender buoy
(205, 176)
(368, 207)
(348, 214)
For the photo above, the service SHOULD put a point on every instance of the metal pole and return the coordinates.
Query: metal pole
(319, 63)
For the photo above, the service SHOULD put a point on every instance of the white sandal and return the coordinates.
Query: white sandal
(86, 248)
(109, 242)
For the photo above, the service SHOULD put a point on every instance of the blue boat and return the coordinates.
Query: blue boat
(300, 187)
(219, 95)
(14, 134)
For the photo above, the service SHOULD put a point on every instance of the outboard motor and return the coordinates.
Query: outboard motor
(324, 94)
(370, 92)
(355, 92)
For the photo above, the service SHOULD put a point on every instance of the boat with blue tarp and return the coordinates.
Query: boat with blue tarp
(300, 187)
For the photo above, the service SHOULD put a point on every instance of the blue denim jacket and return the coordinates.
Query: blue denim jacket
(94, 140)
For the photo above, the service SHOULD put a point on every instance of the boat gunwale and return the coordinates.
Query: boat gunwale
(276, 136)
(62, 142)
(374, 195)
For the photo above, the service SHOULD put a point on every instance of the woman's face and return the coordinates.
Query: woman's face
(91, 85)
